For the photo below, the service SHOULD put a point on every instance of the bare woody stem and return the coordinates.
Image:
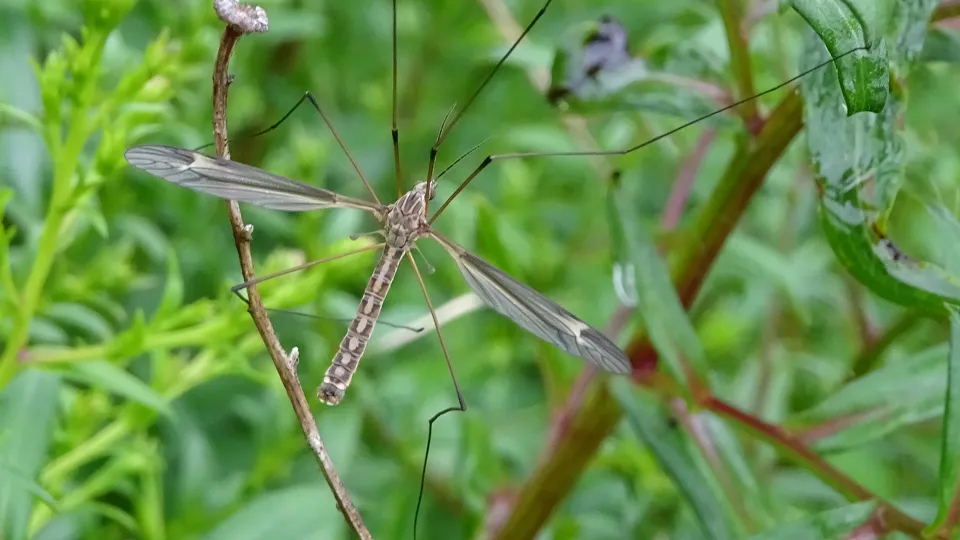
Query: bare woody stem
(242, 19)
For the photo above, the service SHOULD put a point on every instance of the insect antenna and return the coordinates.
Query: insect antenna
(446, 128)
(459, 159)
(495, 157)
(394, 132)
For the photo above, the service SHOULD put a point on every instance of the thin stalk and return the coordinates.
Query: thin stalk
(65, 154)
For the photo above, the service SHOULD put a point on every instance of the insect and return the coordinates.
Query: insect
(403, 223)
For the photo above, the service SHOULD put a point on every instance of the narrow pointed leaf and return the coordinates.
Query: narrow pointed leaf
(658, 305)
(648, 423)
(173, 289)
(28, 408)
(836, 523)
(950, 437)
(904, 391)
(117, 381)
(303, 512)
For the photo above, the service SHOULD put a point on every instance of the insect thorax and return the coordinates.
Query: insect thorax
(405, 220)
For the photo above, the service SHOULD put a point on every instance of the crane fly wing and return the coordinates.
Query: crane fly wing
(235, 181)
(534, 312)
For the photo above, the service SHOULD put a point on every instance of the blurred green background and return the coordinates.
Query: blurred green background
(137, 398)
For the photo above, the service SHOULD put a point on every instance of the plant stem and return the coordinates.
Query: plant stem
(869, 357)
(184, 337)
(562, 462)
(731, 11)
(66, 163)
(65, 154)
(793, 448)
(57, 470)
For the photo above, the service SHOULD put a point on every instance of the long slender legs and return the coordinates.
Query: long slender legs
(236, 288)
(489, 159)
(462, 403)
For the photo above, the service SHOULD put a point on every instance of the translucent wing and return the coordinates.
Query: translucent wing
(534, 312)
(235, 181)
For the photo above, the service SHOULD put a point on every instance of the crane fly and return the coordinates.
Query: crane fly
(403, 223)
(408, 220)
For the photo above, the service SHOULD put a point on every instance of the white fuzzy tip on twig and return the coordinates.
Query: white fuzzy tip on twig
(293, 360)
(248, 19)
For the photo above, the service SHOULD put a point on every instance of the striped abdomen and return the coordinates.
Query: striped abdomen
(338, 375)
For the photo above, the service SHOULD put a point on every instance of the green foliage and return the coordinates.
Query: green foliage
(809, 391)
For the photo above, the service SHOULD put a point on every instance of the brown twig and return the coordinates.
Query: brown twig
(243, 19)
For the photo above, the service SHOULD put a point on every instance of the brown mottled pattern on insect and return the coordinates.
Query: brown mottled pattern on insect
(403, 224)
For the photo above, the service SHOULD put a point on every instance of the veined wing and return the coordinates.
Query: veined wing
(235, 181)
(534, 312)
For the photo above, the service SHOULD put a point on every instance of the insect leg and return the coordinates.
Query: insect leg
(462, 403)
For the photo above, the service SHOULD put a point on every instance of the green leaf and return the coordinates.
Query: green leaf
(909, 24)
(750, 488)
(942, 45)
(844, 26)
(950, 438)
(101, 374)
(28, 408)
(172, 299)
(7, 285)
(847, 153)
(903, 391)
(13, 477)
(10, 114)
(303, 512)
(648, 423)
(490, 238)
(131, 341)
(836, 523)
(80, 317)
(658, 305)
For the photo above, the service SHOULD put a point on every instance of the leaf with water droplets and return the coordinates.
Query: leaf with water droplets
(843, 26)
(849, 153)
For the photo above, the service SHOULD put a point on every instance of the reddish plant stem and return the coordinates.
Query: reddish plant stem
(946, 10)
(891, 518)
(690, 260)
(953, 516)
(700, 435)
